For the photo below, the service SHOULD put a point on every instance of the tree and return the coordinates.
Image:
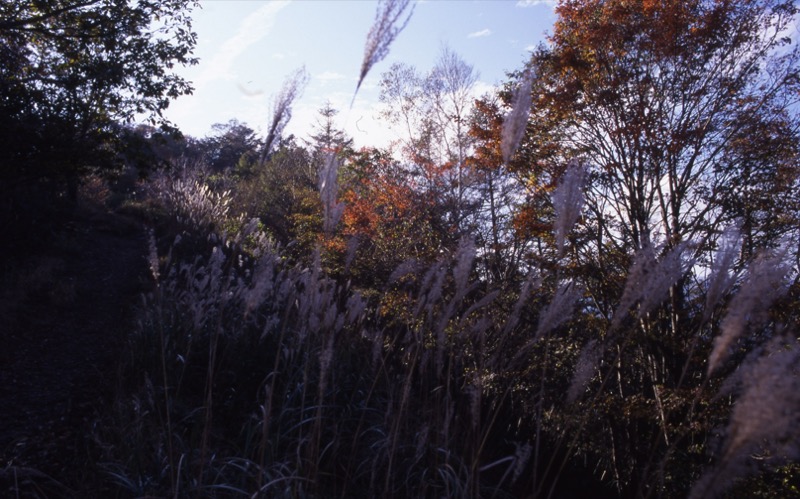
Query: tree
(72, 68)
(678, 106)
(686, 113)
(71, 73)
(232, 144)
(282, 193)
(659, 95)
(386, 221)
(502, 194)
(449, 88)
(327, 139)
(432, 114)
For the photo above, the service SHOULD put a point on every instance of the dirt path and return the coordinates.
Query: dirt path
(62, 327)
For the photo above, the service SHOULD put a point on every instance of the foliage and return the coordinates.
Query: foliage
(73, 74)
(72, 68)
(580, 291)
(666, 99)
(386, 220)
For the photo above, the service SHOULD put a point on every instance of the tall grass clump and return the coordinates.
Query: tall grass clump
(190, 201)
(249, 374)
(225, 333)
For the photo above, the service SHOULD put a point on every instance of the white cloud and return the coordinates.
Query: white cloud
(481, 33)
(532, 3)
(367, 128)
(482, 88)
(253, 28)
(362, 123)
(329, 75)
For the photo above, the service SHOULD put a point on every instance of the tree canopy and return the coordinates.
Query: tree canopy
(72, 71)
(672, 102)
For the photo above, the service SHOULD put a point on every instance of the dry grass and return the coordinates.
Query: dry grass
(250, 375)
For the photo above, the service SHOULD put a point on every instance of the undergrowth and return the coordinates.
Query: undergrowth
(249, 374)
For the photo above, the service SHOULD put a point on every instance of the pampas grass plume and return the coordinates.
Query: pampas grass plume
(765, 419)
(516, 121)
(750, 305)
(584, 369)
(384, 30)
(568, 201)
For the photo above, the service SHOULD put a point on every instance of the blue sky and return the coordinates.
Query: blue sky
(248, 47)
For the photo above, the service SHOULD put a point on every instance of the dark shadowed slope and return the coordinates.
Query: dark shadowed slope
(63, 318)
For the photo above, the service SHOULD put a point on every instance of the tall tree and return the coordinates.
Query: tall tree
(71, 68)
(431, 113)
(327, 138)
(72, 71)
(232, 143)
(679, 107)
(502, 194)
(686, 113)
(659, 96)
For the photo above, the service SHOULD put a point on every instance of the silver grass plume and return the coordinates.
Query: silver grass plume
(568, 202)
(329, 190)
(263, 282)
(516, 121)
(559, 310)
(521, 457)
(293, 86)
(384, 30)
(152, 255)
(720, 279)
(590, 356)
(649, 280)
(465, 257)
(531, 284)
(408, 267)
(666, 272)
(764, 284)
(352, 251)
(643, 261)
(765, 419)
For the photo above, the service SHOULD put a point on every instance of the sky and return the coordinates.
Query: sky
(247, 48)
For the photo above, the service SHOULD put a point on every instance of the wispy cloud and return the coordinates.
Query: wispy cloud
(482, 88)
(329, 75)
(479, 34)
(253, 28)
(532, 3)
(249, 92)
